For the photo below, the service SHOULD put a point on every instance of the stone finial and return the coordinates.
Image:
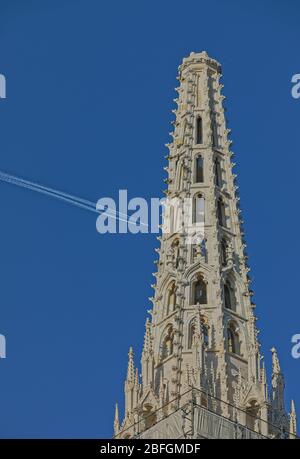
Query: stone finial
(275, 361)
(130, 368)
(147, 338)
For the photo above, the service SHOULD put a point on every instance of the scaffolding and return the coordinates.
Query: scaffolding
(196, 414)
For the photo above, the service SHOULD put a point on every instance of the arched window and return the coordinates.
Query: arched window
(218, 173)
(199, 169)
(200, 292)
(231, 340)
(214, 134)
(224, 252)
(199, 130)
(228, 296)
(205, 334)
(167, 343)
(221, 213)
(171, 298)
(199, 209)
(233, 344)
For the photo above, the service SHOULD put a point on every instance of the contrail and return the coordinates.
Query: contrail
(66, 197)
(59, 195)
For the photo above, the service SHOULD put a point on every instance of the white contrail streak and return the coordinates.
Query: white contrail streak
(57, 195)
(66, 197)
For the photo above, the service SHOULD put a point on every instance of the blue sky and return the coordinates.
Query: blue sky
(90, 86)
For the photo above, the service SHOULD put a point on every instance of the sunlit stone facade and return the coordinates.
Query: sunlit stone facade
(201, 364)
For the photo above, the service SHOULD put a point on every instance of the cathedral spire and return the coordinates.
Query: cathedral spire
(202, 335)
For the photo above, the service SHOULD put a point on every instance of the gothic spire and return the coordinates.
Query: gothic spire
(202, 317)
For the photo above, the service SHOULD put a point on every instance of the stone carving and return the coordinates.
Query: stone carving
(233, 384)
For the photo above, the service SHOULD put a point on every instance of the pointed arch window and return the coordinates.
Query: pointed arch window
(214, 134)
(199, 209)
(200, 292)
(171, 298)
(175, 249)
(199, 131)
(233, 344)
(224, 252)
(218, 173)
(167, 343)
(231, 340)
(228, 296)
(221, 213)
(205, 334)
(199, 169)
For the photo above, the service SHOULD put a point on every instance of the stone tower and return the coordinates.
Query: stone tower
(201, 369)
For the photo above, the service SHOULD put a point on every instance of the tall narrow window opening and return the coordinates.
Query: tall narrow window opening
(199, 210)
(199, 169)
(218, 173)
(224, 252)
(199, 131)
(221, 213)
(228, 296)
(200, 292)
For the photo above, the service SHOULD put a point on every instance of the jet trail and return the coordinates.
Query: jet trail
(48, 191)
(66, 197)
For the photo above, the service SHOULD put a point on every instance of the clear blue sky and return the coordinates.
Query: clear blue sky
(88, 110)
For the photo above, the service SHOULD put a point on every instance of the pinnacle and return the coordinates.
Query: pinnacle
(275, 361)
(293, 409)
(130, 368)
(117, 414)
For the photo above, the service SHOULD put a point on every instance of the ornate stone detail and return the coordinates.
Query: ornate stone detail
(208, 338)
